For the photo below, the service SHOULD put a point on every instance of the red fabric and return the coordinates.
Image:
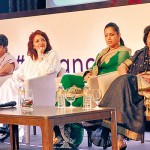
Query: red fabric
(129, 2)
(134, 2)
(113, 1)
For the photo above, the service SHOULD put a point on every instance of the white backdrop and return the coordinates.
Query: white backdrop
(78, 35)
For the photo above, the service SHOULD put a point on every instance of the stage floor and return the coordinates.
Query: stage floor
(35, 143)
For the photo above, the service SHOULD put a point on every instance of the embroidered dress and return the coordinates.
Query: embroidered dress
(106, 61)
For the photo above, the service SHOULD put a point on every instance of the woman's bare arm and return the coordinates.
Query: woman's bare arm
(123, 68)
(7, 69)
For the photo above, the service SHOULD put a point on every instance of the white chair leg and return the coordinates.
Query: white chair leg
(27, 134)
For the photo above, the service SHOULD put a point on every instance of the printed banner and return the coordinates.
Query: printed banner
(78, 36)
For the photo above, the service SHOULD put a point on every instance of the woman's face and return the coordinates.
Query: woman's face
(112, 38)
(148, 40)
(39, 44)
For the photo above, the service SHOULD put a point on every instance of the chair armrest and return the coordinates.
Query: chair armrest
(102, 82)
(44, 89)
(4, 78)
(61, 72)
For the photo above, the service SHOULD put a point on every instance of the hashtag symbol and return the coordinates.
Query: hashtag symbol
(20, 59)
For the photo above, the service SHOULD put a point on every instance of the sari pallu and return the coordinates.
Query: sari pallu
(129, 106)
(123, 95)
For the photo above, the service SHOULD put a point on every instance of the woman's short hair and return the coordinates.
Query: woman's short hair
(146, 32)
(31, 51)
(3, 40)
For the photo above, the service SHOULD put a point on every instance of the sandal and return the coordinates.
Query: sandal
(122, 144)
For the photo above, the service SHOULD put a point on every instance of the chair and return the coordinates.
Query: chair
(101, 82)
(44, 90)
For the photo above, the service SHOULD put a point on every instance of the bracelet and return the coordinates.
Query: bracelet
(125, 64)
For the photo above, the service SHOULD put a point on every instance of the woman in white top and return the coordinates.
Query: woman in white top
(41, 60)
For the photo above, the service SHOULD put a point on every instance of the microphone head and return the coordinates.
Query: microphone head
(13, 103)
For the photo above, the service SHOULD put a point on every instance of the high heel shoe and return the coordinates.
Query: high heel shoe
(122, 145)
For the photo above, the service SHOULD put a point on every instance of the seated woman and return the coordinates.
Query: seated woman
(106, 61)
(41, 60)
(123, 94)
(8, 63)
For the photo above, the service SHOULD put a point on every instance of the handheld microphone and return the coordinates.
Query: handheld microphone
(11, 103)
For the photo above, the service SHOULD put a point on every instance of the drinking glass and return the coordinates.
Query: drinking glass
(28, 101)
(97, 97)
(70, 97)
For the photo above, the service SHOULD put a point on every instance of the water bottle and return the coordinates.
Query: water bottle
(60, 96)
(21, 94)
(87, 97)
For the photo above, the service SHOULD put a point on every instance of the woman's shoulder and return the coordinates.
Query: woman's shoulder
(27, 59)
(8, 57)
(51, 52)
(124, 49)
(140, 50)
(104, 50)
(8, 54)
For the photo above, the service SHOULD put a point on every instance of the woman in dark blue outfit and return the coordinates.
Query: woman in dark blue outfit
(123, 94)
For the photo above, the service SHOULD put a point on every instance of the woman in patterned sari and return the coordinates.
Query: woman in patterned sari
(126, 94)
(106, 61)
